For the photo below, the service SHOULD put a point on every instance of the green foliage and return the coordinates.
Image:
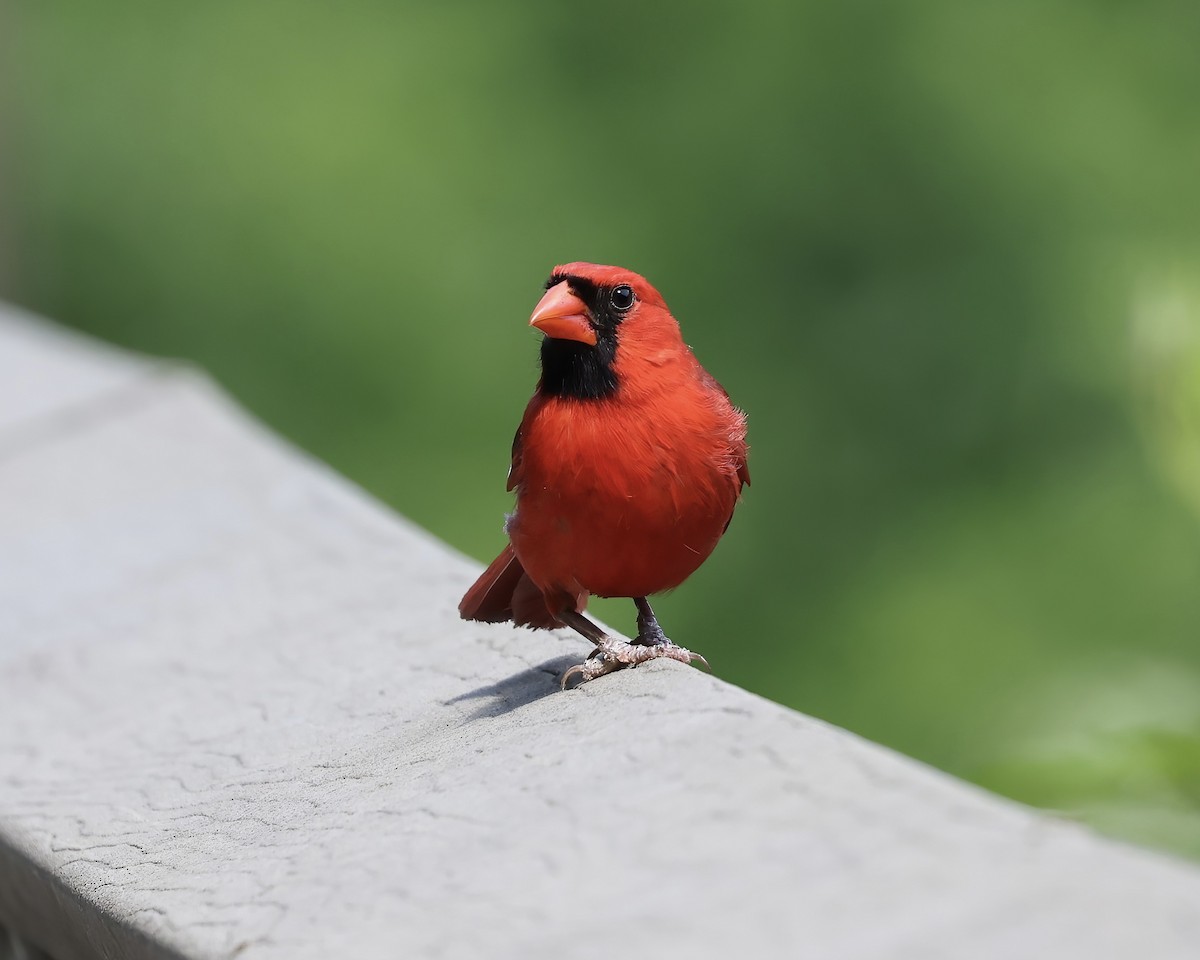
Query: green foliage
(945, 255)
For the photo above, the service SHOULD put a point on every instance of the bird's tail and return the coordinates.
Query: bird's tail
(504, 592)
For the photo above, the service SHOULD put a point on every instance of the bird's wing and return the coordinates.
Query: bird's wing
(514, 468)
(741, 449)
(743, 468)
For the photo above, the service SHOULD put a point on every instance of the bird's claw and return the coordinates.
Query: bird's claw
(596, 665)
(566, 677)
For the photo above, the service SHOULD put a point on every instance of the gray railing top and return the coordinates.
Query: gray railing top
(239, 717)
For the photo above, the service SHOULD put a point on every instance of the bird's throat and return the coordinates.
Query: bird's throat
(578, 370)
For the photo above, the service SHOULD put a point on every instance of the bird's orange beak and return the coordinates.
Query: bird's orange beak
(562, 315)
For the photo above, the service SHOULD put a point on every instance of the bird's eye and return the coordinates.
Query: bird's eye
(622, 297)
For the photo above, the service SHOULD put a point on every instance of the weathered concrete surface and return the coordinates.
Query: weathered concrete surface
(48, 377)
(240, 718)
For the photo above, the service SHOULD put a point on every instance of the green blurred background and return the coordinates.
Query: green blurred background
(946, 254)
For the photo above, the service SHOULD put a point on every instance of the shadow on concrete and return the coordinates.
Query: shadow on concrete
(523, 687)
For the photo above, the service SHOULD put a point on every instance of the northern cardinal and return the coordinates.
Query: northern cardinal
(627, 466)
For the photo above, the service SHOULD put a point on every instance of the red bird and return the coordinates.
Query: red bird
(627, 466)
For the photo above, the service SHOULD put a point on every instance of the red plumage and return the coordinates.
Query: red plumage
(628, 462)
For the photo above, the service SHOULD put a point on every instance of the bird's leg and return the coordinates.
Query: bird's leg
(581, 624)
(613, 654)
(650, 634)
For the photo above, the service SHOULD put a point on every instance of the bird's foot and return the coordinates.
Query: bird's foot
(612, 654)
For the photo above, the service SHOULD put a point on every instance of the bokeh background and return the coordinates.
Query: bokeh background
(946, 254)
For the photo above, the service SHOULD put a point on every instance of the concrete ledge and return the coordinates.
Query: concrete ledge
(239, 717)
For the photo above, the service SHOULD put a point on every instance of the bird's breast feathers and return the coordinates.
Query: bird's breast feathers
(669, 456)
